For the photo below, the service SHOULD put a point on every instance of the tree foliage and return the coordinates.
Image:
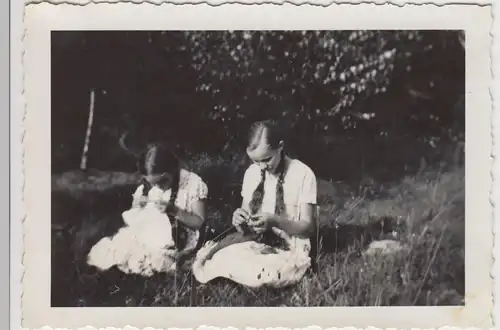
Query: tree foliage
(322, 77)
(175, 85)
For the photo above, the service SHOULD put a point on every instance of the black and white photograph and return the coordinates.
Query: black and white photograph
(176, 170)
(257, 168)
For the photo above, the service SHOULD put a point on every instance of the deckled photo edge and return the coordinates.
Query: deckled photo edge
(28, 147)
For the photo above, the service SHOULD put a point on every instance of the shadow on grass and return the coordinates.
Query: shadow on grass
(340, 237)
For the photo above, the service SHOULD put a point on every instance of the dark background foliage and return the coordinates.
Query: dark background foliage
(369, 99)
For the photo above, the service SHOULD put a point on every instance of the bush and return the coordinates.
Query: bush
(180, 87)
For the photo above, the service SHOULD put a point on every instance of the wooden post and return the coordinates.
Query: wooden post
(83, 164)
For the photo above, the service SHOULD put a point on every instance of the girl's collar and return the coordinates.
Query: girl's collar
(287, 161)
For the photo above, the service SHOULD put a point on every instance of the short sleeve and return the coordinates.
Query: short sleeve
(138, 191)
(309, 191)
(198, 188)
(248, 179)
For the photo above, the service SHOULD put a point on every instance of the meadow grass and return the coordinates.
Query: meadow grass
(426, 209)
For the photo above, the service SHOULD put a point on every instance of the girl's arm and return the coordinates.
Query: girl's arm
(245, 206)
(241, 215)
(306, 225)
(303, 228)
(194, 219)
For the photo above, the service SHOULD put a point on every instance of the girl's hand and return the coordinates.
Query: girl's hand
(171, 209)
(261, 221)
(258, 230)
(240, 216)
(162, 206)
(140, 201)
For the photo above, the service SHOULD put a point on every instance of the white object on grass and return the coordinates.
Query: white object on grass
(383, 247)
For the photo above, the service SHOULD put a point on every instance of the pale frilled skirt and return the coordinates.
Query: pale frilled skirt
(144, 246)
(251, 264)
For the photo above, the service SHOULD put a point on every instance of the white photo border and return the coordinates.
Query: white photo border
(41, 18)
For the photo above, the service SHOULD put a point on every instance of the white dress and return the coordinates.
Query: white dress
(247, 263)
(145, 244)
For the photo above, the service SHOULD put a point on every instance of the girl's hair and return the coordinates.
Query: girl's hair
(158, 160)
(272, 130)
(273, 135)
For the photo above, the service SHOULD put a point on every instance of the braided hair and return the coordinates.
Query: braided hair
(274, 135)
(258, 194)
(159, 159)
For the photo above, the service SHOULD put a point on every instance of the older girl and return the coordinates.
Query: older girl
(279, 197)
(164, 222)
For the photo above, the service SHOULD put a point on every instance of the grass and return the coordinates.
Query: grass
(426, 209)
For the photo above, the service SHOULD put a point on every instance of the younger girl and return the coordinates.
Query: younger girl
(279, 197)
(164, 222)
